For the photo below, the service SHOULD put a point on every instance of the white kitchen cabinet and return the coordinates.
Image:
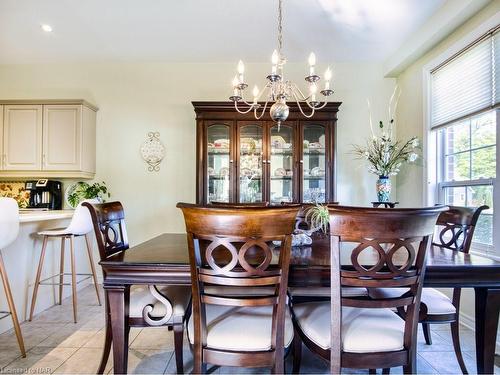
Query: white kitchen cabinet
(1, 137)
(62, 137)
(53, 139)
(22, 138)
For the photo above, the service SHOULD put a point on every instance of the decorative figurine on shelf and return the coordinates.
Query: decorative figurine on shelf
(153, 151)
(385, 154)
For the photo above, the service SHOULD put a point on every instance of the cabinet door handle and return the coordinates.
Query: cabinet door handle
(231, 161)
(301, 161)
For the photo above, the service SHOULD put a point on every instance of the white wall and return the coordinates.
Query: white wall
(410, 116)
(137, 98)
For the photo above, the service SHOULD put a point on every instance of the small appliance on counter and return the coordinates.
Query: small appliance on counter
(45, 194)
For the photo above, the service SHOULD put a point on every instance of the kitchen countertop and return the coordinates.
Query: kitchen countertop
(33, 216)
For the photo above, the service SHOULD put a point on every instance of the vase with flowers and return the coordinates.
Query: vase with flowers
(386, 155)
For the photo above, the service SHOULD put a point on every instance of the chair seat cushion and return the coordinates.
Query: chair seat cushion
(437, 303)
(55, 232)
(325, 292)
(240, 328)
(140, 296)
(363, 330)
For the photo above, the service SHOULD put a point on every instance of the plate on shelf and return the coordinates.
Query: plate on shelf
(245, 172)
(224, 171)
(280, 172)
(210, 171)
(221, 143)
(317, 172)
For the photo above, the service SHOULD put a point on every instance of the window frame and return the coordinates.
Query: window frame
(433, 190)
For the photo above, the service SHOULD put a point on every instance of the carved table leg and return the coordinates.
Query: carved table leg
(118, 298)
(487, 310)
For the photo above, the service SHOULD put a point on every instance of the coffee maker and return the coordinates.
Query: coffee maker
(45, 194)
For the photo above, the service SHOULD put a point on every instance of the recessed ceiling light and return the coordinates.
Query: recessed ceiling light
(46, 28)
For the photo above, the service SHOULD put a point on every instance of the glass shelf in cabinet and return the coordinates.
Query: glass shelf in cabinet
(317, 151)
(314, 177)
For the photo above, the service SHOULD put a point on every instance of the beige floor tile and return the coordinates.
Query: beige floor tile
(68, 337)
(84, 361)
(41, 360)
(33, 334)
(147, 361)
(97, 341)
(7, 355)
(154, 338)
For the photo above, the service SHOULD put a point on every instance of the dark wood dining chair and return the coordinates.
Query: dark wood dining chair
(384, 248)
(229, 247)
(148, 306)
(455, 232)
(455, 229)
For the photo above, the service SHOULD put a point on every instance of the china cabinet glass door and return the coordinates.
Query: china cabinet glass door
(281, 164)
(218, 163)
(250, 165)
(313, 163)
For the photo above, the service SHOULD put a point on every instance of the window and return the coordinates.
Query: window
(464, 114)
(467, 154)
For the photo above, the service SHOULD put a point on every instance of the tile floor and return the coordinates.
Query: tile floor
(56, 345)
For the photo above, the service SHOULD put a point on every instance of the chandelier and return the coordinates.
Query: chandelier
(278, 90)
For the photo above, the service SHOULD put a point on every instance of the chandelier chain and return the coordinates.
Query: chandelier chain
(280, 26)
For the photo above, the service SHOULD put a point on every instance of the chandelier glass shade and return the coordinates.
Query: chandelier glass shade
(278, 90)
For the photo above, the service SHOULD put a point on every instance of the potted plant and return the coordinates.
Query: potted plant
(82, 190)
(386, 155)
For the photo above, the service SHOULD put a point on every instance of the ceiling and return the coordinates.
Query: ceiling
(206, 31)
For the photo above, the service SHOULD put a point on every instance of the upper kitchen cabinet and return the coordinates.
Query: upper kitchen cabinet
(244, 160)
(49, 139)
(22, 138)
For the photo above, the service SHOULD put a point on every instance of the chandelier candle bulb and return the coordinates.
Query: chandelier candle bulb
(255, 93)
(312, 63)
(241, 70)
(328, 77)
(274, 60)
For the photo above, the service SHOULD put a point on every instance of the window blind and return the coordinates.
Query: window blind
(468, 83)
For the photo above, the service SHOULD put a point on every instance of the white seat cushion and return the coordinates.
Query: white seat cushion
(363, 330)
(325, 292)
(241, 328)
(437, 303)
(140, 296)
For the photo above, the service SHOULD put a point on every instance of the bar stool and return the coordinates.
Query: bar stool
(81, 225)
(9, 229)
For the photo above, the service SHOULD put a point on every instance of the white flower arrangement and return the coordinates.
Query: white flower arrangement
(384, 154)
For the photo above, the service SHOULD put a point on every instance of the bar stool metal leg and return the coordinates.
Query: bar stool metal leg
(61, 270)
(92, 267)
(73, 277)
(12, 307)
(38, 275)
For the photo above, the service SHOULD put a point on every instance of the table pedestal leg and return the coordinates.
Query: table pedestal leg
(118, 298)
(487, 309)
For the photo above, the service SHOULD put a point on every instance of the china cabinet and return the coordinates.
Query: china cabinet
(244, 160)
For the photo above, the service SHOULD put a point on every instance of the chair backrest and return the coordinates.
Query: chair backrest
(456, 227)
(9, 221)
(376, 237)
(81, 222)
(229, 246)
(109, 227)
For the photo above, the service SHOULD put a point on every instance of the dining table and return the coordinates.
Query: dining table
(164, 260)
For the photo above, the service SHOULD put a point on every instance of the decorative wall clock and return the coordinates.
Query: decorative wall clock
(153, 151)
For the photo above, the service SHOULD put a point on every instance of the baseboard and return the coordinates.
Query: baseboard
(469, 322)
